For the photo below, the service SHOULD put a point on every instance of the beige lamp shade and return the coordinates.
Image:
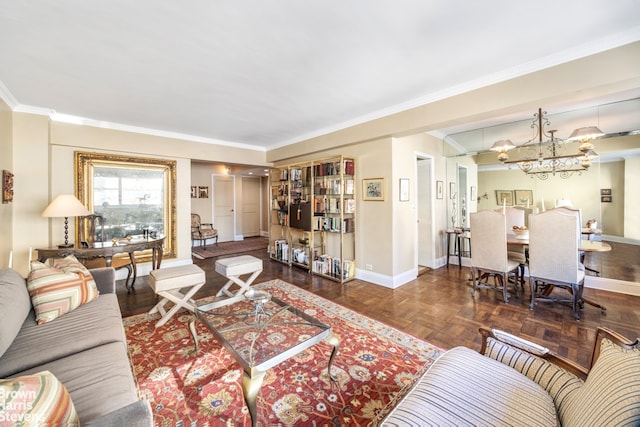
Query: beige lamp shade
(64, 206)
(585, 133)
(502, 145)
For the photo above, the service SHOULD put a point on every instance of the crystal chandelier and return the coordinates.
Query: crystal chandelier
(545, 158)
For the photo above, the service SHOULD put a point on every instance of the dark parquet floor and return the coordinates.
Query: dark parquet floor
(438, 307)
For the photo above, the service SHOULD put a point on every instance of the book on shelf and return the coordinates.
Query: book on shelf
(349, 185)
(349, 168)
(349, 206)
(281, 249)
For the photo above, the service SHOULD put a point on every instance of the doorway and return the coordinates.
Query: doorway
(425, 212)
(224, 215)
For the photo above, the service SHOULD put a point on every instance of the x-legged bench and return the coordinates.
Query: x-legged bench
(168, 283)
(234, 267)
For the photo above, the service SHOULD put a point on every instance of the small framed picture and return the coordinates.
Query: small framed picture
(504, 197)
(404, 189)
(373, 189)
(439, 189)
(524, 197)
(605, 191)
(194, 192)
(605, 199)
(7, 186)
(203, 192)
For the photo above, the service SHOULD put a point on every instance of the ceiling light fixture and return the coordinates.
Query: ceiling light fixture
(544, 158)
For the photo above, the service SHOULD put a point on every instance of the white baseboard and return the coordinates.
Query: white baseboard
(612, 285)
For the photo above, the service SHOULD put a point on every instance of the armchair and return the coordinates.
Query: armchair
(202, 231)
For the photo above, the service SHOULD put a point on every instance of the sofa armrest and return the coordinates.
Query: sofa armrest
(105, 278)
(137, 414)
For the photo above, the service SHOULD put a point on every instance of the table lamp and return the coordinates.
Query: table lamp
(64, 206)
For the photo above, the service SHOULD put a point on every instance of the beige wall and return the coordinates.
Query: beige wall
(6, 163)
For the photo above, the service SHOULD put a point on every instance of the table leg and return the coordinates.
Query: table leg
(194, 334)
(335, 342)
(251, 385)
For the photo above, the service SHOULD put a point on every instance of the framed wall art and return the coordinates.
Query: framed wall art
(194, 192)
(203, 192)
(524, 197)
(373, 189)
(7, 186)
(504, 197)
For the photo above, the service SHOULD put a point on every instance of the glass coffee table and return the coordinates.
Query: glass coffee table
(261, 331)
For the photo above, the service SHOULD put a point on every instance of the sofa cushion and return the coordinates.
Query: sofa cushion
(99, 380)
(611, 393)
(14, 306)
(94, 324)
(39, 400)
(57, 290)
(559, 383)
(465, 388)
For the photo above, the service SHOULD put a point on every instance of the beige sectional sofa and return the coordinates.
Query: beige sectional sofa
(513, 382)
(84, 349)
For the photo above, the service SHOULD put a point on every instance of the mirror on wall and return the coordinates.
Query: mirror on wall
(134, 195)
(603, 192)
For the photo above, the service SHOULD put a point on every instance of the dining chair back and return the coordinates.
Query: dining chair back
(489, 251)
(513, 217)
(554, 259)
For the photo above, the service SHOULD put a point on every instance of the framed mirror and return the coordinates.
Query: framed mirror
(135, 195)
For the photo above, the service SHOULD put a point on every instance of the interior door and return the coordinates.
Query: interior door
(426, 241)
(250, 207)
(224, 216)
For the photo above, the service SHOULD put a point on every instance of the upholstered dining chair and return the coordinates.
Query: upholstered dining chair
(202, 231)
(554, 239)
(489, 252)
(92, 231)
(515, 216)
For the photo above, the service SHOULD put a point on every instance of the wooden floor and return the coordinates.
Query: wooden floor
(438, 307)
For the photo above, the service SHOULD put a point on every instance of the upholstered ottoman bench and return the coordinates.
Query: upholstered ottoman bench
(168, 283)
(233, 268)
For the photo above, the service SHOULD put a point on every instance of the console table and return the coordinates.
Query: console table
(107, 250)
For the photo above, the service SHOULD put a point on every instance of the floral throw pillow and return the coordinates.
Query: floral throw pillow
(60, 289)
(36, 400)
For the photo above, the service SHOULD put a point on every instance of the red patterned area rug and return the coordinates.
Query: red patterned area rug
(376, 366)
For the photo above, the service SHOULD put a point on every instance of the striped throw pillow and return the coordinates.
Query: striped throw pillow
(57, 290)
(560, 384)
(611, 394)
(36, 400)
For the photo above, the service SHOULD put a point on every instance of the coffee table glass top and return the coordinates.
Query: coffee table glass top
(261, 331)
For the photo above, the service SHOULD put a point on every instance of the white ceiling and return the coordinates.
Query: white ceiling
(269, 73)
